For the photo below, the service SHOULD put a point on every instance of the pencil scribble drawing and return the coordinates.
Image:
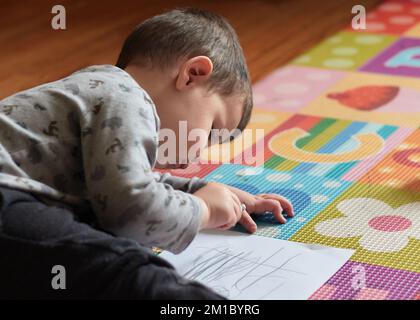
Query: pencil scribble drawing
(243, 267)
(212, 265)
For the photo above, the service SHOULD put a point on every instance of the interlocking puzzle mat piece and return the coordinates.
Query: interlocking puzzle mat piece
(328, 147)
(293, 87)
(392, 18)
(382, 224)
(261, 123)
(400, 168)
(360, 281)
(309, 195)
(371, 97)
(401, 58)
(345, 51)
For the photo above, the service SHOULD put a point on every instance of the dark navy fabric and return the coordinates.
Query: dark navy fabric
(34, 237)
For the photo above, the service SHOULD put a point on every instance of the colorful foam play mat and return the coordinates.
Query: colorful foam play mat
(342, 141)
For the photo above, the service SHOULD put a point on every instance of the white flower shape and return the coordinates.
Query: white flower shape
(381, 227)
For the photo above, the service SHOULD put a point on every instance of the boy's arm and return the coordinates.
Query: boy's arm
(119, 148)
(189, 185)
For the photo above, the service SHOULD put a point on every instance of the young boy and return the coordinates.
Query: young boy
(76, 157)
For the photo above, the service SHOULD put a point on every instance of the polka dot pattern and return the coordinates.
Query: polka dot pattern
(319, 198)
(336, 63)
(279, 177)
(346, 50)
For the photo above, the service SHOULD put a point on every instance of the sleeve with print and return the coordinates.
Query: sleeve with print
(119, 152)
(189, 185)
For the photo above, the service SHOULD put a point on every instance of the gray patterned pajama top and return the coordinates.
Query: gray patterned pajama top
(91, 139)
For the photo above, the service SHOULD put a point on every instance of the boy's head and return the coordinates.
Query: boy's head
(191, 63)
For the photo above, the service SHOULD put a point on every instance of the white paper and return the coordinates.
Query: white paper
(243, 266)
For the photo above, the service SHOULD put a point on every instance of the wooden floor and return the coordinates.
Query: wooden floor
(271, 32)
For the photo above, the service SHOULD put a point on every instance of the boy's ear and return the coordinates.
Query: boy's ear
(193, 72)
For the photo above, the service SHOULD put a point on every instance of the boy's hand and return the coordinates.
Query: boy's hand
(262, 203)
(221, 207)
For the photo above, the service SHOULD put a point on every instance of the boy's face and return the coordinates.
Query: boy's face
(188, 111)
(194, 117)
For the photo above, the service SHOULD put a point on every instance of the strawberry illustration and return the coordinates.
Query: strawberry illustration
(366, 98)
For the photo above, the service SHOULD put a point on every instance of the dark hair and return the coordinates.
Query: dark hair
(163, 39)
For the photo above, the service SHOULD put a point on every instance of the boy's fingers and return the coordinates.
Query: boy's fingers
(247, 222)
(236, 199)
(285, 203)
(264, 205)
(237, 207)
